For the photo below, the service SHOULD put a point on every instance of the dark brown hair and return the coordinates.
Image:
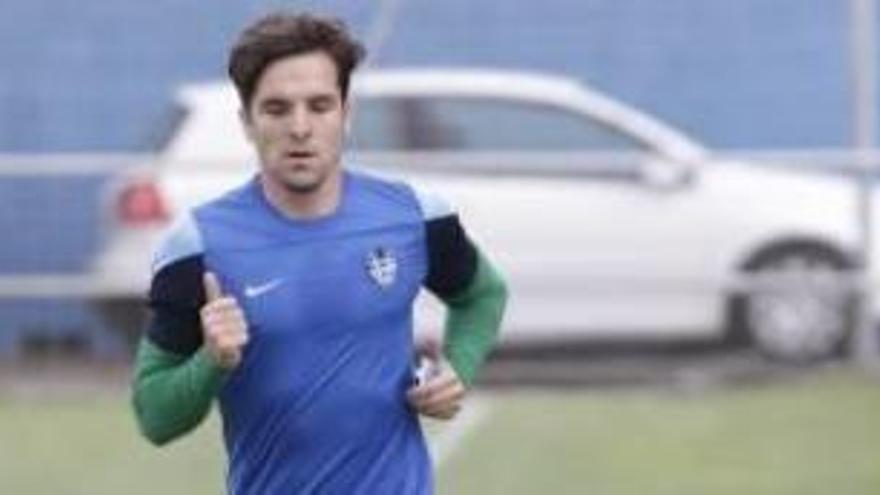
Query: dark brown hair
(282, 34)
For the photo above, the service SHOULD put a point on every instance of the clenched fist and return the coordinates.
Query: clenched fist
(439, 392)
(223, 325)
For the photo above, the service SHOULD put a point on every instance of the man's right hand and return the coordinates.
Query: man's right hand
(223, 325)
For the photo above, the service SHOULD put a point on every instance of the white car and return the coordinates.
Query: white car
(607, 223)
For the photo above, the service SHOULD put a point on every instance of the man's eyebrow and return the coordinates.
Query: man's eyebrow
(280, 100)
(273, 100)
(322, 96)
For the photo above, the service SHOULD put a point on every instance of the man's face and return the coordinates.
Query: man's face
(296, 121)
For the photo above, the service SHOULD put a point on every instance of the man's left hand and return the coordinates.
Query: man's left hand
(440, 393)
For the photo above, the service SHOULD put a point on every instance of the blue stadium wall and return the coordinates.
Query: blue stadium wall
(99, 75)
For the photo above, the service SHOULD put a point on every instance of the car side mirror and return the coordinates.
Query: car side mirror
(666, 175)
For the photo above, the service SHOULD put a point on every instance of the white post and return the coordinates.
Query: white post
(864, 72)
(863, 19)
(381, 28)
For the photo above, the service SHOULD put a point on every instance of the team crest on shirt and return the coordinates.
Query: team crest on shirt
(382, 267)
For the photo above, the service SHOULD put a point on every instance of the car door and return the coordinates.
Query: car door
(597, 234)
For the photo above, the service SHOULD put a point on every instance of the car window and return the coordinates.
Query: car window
(478, 124)
(165, 128)
(374, 125)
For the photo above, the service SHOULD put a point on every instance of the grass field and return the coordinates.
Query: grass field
(815, 435)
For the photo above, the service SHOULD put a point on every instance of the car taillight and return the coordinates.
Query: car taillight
(140, 203)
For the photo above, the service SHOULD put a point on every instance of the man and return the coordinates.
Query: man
(290, 298)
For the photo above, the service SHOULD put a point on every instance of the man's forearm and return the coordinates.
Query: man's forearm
(172, 394)
(473, 320)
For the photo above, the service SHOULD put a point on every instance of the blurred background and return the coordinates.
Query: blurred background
(681, 192)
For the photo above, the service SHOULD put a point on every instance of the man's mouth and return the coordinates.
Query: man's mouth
(299, 154)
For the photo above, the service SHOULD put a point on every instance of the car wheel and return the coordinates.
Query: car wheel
(125, 317)
(796, 307)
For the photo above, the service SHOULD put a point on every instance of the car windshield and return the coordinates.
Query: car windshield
(165, 128)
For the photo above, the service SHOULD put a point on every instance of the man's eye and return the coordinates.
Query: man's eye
(321, 106)
(275, 109)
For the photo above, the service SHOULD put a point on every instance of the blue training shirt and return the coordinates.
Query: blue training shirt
(318, 403)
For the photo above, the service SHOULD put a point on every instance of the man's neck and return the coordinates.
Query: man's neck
(310, 205)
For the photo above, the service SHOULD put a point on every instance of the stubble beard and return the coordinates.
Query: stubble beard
(304, 188)
(309, 182)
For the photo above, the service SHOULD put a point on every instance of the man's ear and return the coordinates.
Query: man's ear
(246, 124)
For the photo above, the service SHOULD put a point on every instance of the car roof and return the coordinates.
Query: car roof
(218, 99)
(425, 81)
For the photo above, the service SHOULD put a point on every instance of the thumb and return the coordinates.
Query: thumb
(430, 348)
(213, 291)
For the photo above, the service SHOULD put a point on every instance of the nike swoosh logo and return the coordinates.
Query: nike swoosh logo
(252, 291)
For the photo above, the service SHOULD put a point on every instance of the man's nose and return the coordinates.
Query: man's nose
(300, 125)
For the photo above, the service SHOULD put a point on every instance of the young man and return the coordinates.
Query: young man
(290, 298)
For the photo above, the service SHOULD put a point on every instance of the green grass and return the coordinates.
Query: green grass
(92, 447)
(819, 435)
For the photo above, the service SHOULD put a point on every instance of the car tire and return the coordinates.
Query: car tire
(125, 317)
(794, 306)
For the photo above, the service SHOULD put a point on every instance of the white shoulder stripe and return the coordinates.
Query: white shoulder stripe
(433, 205)
(181, 240)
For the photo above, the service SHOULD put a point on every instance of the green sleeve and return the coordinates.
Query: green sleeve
(172, 394)
(473, 319)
